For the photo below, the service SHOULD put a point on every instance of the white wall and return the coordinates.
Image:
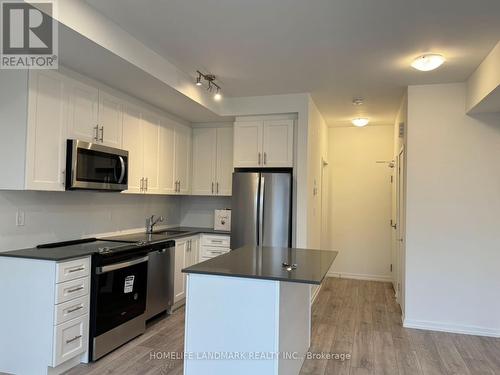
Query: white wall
(198, 211)
(453, 213)
(59, 216)
(360, 201)
(317, 151)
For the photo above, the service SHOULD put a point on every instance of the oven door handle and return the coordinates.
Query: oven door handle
(117, 266)
(122, 162)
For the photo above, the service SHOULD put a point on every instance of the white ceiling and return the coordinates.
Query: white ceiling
(335, 49)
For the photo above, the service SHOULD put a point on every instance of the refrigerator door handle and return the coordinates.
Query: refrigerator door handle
(260, 238)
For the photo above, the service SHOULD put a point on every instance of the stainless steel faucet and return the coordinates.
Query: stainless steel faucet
(151, 222)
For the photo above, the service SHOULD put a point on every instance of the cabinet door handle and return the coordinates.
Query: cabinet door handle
(212, 187)
(146, 180)
(179, 187)
(265, 158)
(259, 158)
(73, 339)
(217, 186)
(75, 309)
(96, 137)
(76, 269)
(142, 184)
(75, 289)
(102, 134)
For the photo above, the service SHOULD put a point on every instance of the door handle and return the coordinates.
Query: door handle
(259, 158)
(265, 158)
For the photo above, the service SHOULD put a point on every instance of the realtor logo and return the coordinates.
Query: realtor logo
(29, 35)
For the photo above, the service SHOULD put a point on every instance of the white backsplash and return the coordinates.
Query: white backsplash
(198, 211)
(60, 216)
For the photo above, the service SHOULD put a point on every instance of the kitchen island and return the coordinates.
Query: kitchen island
(249, 311)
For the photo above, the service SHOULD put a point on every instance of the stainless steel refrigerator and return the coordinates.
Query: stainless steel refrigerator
(261, 211)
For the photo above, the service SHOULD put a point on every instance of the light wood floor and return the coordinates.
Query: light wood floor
(360, 318)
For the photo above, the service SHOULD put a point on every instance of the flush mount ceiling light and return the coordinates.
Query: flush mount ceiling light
(428, 61)
(360, 121)
(210, 79)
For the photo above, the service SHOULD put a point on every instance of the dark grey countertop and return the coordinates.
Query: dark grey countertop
(161, 235)
(266, 263)
(60, 253)
(85, 249)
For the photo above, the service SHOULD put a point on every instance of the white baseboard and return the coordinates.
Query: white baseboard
(359, 276)
(451, 328)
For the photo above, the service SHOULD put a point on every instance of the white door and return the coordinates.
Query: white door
(167, 157)
(183, 158)
(181, 248)
(82, 111)
(133, 143)
(224, 168)
(278, 143)
(204, 161)
(151, 130)
(46, 136)
(247, 144)
(110, 120)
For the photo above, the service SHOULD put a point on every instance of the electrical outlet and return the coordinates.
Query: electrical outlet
(20, 218)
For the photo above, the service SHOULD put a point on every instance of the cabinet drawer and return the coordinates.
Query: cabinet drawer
(72, 270)
(70, 339)
(215, 240)
(212, 252)
(71, 309)
(72, 289)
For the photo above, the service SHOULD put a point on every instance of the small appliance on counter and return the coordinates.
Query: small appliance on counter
(222, 219)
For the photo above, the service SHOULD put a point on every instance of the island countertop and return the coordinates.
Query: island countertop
(267, 263)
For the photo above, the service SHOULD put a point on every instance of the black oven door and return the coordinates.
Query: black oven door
(120, 293)
(96, 167)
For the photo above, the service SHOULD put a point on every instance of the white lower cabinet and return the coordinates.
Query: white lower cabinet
(70, 339)
(45, 330)
(186, 254)
(213, 245)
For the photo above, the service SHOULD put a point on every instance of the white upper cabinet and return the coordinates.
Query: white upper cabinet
(247, 144)
(224, 161)
(94, 115)
(151, 134)
(204, 161)
(167, 158)
(212, 161)
(46, 135)
(110, 120)
(182, 159)
(83, 110)
(277, 143)
(133, 142)
(266, 143)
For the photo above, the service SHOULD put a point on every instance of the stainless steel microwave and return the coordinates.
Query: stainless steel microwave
(91, 166)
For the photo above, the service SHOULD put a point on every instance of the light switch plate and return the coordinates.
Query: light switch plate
(20, 218)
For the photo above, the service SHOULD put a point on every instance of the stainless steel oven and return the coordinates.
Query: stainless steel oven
(92, 166)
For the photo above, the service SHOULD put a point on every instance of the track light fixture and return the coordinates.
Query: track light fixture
(210, 78)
